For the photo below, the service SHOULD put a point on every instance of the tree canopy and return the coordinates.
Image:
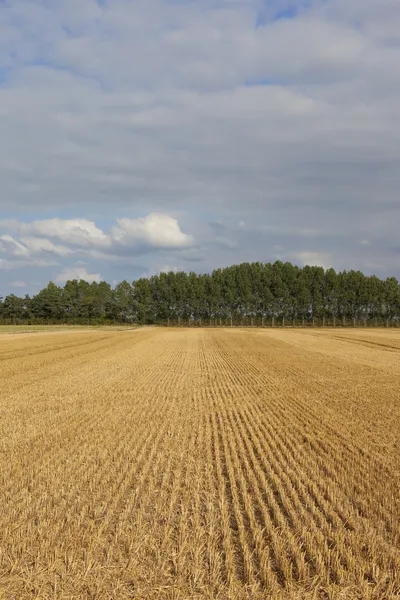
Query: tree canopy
(247, 294)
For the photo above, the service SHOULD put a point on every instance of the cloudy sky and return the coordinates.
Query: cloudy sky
(144, 135)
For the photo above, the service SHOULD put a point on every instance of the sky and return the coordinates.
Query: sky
(138, 136)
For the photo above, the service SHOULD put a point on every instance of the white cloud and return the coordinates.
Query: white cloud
(18, 284)
(79, 232)
(78, 272)
(156, 231)
(38, 246)
(82, 237)
(15, 248)
(29, 248)
(319, 259)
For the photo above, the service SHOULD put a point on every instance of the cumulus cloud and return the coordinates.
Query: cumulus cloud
(31, 246)
(82, 237)
(319, 259)
(77, 272)
(24, 253)
(80, 232)
(155, 231)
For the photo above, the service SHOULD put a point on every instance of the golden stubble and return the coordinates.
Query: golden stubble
(190, 464)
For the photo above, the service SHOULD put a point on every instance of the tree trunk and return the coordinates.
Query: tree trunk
(262, 322)
(273, 321)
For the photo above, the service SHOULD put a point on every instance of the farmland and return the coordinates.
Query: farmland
(200, 463)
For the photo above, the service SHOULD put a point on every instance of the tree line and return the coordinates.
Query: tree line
(249, 294)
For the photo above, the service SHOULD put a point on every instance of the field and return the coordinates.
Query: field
(190, 464)
(10, 329)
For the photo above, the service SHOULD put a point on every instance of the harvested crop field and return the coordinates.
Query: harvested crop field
(190, 464)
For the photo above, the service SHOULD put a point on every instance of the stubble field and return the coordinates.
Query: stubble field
(190, 464)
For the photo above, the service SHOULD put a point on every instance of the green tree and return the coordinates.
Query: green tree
(47, 305)
(143, 301)
(14, 309)
(391, 299)
(123, 303)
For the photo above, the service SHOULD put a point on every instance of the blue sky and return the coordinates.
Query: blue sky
(139, 136)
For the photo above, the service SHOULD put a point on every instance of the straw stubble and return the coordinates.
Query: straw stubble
(189, 464)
